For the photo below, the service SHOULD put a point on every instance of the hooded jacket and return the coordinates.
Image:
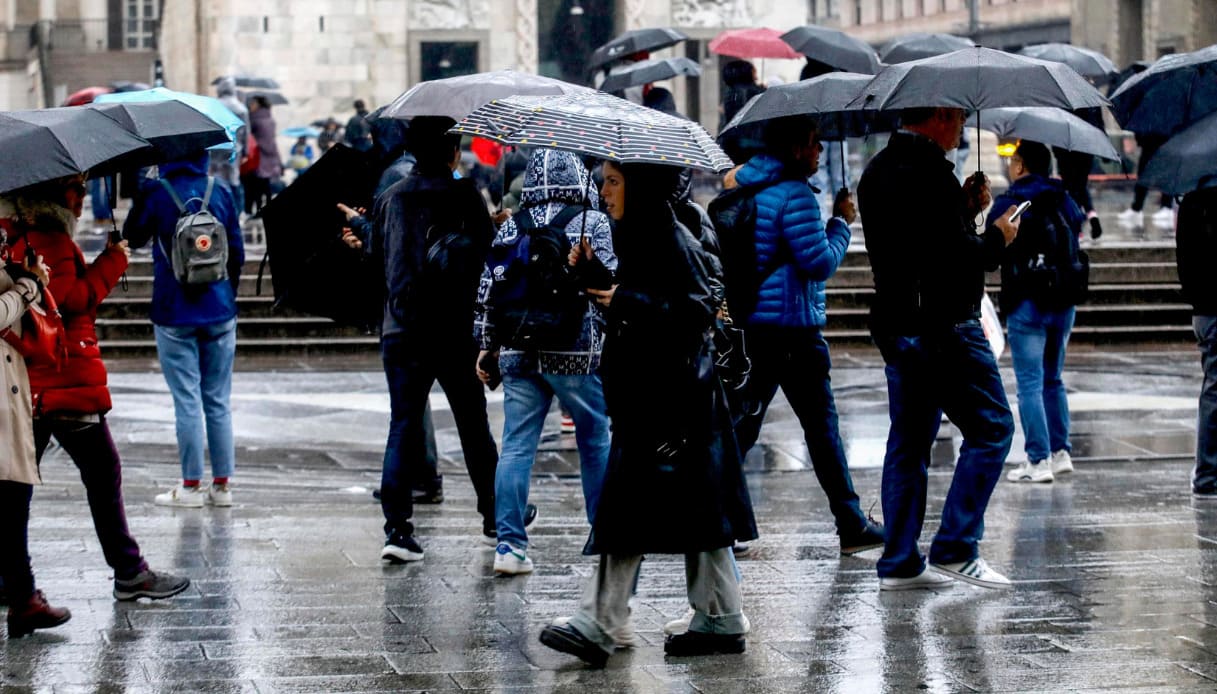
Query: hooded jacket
(153, 219)
(791, 234)
(552, 181)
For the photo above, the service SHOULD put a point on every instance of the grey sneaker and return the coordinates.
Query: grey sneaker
(1027, 471)
(1061, 462)
(150, 584)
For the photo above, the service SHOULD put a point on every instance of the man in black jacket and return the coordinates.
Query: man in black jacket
(427, 334)
(929, 265)
(1196, 245)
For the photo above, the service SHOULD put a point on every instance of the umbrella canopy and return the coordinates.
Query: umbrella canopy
(300, 131)
(1187, 162)
(917, 46)
(648, 71)
(251, 82)
(635, 41)
(833, 48)
(1050, 126)
(457, 97)
(979, 78)
(212, 108)
(599, 125)
(826, 98)
(85, 96)
(173, 128)
(1170, 95)
(273, 97)
(752, 43)
(128, 86)
(1092, 65)
(46, 144)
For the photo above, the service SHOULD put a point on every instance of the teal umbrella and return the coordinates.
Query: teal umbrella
(212, 108)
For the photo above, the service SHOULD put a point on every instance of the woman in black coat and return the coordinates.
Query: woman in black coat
(674, 484)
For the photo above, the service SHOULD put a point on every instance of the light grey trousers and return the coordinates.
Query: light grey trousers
(710, 580)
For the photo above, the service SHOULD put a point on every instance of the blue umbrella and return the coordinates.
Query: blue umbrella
(300, 131)
(212, 108)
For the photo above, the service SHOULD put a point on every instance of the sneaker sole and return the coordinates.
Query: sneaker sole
(127, 596)
(512, 572)
(968, 579)
(400, 556)
(1030, 480)
(849, 551)
(920, 585)
(177, 504)
(563, 644)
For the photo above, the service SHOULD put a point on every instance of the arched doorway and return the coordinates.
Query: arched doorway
(567, 33)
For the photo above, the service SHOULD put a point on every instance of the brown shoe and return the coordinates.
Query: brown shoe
(35, 613)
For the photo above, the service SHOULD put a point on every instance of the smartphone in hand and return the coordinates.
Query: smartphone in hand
(1018, 211)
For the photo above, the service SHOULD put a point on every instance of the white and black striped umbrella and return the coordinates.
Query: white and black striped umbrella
(598, 125)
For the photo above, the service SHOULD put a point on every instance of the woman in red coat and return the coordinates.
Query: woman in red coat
(71, 401)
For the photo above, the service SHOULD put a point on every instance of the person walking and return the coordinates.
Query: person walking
(739, 85)
(21, 284)
(226, 164)
(1196, 246)
(358, 134)
(674, 484)
(1133, 216)
(1075, 168)
(435, 232)
(1041, 276)
(555, 188)
(270, 166)
(71, 400)
(929, 264)
(795, 254)
(195, 327)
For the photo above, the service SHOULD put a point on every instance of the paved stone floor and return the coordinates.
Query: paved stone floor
(1115, 567)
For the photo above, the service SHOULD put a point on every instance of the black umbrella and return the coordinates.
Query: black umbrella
(1088, 63)
(917, 46)
(303, 241)
(635, 41)
(1170, 95)
(274, 98)
(827, 98)
(39, 146)
(1049, 126)
(173, 128)
(599, 125)
(833, 48)
(648, 71)
(251, 82)
(457, 97)
(1187, 162)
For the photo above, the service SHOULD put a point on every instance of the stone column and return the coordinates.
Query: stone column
(527, 59)
(634, 10)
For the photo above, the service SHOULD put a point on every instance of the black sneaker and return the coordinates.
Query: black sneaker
(490, 531)
(567, 640)
(870, 537)
(401, 549)
(700, 643)
(1096, 228)
(150, 584)
(428, 496)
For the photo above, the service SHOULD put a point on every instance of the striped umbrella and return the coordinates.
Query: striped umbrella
(597, 125)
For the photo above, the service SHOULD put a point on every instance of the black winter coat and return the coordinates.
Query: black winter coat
(1196, 250)
(674, 483)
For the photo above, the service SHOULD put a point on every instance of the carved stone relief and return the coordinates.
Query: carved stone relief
(450, 14)
(711, 13)
(526, 36)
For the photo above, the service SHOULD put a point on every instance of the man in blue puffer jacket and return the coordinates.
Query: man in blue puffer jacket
(785, 339)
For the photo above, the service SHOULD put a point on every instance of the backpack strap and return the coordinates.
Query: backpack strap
(181, 207)
(566, 216)
(211, 184)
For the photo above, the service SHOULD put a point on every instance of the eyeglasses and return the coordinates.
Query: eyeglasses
(78, 188)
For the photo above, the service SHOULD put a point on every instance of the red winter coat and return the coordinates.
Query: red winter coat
(79, 384)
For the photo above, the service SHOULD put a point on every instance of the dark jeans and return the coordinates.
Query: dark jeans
(1075, 169)
(412, 366)
(949, 370)
(797, 361)
(91, 447)
(1204, 478)
(14, 541)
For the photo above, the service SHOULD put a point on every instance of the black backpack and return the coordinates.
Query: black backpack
(1054, 272)
(733, 212)
(534, 301)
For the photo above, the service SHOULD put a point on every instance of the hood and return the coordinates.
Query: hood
(554, 176)
(761, 168)
(227, 86)
(43, 215)
(194, 166)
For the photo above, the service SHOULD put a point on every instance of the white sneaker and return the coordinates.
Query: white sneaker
(1130, 218)
(1061, 462)
(977, 572)
(680, 626)
(511, 561)
(1164, 218)
(219, 495)
(925, 579)
(182, 496)
(1039, 471)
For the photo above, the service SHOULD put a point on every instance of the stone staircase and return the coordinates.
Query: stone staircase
(1134, 299)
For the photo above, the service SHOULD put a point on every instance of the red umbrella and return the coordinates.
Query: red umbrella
(86, 96)
(753, 43)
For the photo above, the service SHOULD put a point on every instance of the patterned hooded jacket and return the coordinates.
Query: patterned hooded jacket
(552, 181)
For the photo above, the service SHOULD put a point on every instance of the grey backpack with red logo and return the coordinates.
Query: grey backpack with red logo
(200, 241)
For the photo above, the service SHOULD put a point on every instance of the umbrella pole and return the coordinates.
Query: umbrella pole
(978, 141)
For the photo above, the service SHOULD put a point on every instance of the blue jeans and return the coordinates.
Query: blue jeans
(197, 363)
(99, 193)
(526, 400)
(1204, 478)
(1037, 343)
(948, 370)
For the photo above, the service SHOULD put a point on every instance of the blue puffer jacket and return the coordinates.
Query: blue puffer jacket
(789, 224)
(153, 219)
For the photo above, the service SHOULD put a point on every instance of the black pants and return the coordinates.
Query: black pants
(14, 540)
(1075, 175)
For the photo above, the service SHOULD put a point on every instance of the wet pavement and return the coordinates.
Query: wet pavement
(1115, 567)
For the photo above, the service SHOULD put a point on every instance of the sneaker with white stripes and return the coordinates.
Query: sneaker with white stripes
(1061, 462)
(975, 571)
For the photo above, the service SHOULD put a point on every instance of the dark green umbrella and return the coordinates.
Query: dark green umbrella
(43, 145)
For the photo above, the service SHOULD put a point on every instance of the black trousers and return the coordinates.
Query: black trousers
(14, 540)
